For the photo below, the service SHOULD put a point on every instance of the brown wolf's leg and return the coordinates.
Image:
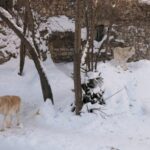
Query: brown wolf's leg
(4, 123)
(9, 122)
(18, 118)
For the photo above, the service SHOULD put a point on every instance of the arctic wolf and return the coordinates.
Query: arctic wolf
(121, 55)
(9, 106)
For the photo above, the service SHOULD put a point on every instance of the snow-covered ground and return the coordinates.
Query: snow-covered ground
(123, 124)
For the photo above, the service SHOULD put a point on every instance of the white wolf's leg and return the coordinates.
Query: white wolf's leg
(119, 63)
(125, 67)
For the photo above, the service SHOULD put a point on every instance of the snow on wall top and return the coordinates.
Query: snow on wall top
(60, 23)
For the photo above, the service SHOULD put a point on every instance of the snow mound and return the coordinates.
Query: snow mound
(46, 113)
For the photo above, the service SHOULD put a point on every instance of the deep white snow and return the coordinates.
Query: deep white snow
(123, 122)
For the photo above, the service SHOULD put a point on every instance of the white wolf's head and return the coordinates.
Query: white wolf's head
(131, 51)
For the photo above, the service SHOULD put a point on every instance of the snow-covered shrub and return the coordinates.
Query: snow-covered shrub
(92, 92)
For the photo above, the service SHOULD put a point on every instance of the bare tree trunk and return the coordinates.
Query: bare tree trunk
(22, 46)
(28, 24)
(86, 5)
(22, 58)
(46, 89)
(92, 24)
(31, 19)
(77, 60)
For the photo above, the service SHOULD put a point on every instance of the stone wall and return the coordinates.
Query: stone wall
(61, 46)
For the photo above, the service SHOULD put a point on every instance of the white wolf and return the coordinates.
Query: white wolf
(121, 55)
(9, 105)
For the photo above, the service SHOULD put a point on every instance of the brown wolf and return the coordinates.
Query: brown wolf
(121, 55)
(9, 105)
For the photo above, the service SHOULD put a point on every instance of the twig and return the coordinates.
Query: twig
(103, 114)
(114, 94)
